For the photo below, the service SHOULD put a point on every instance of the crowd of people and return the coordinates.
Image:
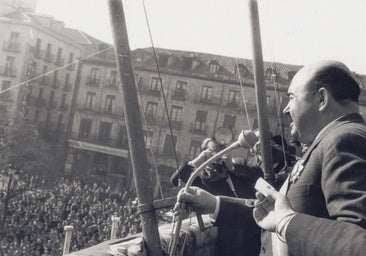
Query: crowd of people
(36, 215)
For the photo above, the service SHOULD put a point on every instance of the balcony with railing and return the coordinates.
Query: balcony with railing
(55, 83)
(97, 140)
(207, 101)
(8, 71)
(179, 95)
(52, 105)
(11, 46)
(92, 81)
(202, 130)
(63, 107)
(67, 88)
(71, 66)
(44, 80)
(112, 86)
(59, 61)
(176, 125)
(5, 97)
(36, 51)
(49, 57)
(151, 119)
(40, 103)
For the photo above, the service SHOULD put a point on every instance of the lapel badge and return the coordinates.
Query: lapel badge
(296, 172)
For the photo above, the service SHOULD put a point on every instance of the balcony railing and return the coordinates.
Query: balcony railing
(59, 61)
(71, 66)
(179, 96)
(11, 46)
(112, 86)
(55, 83)
(92, 81)
(8, 71)
(44, 80)
(48, 57)
(176, 125)
(39, 102)
(37, 53)
(67, 88)
(200, 131)
(52, 105)
(64, 107)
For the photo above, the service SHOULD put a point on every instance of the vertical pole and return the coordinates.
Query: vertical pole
(144, 188)
(260, 91)
(68, 232)
(115, 221)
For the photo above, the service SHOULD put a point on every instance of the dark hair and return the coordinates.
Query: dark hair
(341, 85)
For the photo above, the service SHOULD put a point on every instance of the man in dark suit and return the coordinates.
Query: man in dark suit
(329, 181)
(308, 235)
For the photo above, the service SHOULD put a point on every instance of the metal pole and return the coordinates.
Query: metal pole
(68, 232)
(115, 221)
(144, 188)
(260, 91)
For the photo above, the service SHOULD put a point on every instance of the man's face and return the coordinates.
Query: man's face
(302, 109)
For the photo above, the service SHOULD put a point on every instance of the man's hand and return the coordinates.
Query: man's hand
(202, 201)
(272, 209)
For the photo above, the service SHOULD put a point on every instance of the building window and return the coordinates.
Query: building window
(180, 89)
(85, 127)
(40, 94)
(233, 98)
(89, 100)
(71, 58)
(168, 148)
(271, 74)
(44, 79)
(155, 85)
(59, 60)
(36, 116)
(48, 56)
(214, 67)
(93, 77)
(241, 70)
(63, 101)
(67, 80)
(13, 41)
(104, 133)
(148, 136)
(194, 149)
(5, 85)
(200, 122)
(108, 107)
(151, 109)
(176, 113)
(9, 66)
(206, 93)
(229, 121)
(52, 97)
(113, 79)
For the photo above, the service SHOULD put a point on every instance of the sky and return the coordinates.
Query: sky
(293, 31)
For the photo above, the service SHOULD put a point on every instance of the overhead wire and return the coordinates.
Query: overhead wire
(54, 70)
(161, 84)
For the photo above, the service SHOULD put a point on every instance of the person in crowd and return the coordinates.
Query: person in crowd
(329, 181)
(305, 234)
(45, 212)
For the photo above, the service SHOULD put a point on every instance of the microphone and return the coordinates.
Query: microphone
(246, 139)
(202, 157)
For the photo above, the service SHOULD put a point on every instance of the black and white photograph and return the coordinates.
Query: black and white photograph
(182, 128)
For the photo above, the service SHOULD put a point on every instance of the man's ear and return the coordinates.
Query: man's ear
(324, 99)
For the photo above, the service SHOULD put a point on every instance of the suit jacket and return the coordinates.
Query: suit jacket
(312, 236)
(331, 183)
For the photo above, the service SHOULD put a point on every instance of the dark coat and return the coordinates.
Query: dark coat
(311, 236)
(332, 183)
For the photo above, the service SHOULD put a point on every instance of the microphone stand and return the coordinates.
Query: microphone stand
(241, 142)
